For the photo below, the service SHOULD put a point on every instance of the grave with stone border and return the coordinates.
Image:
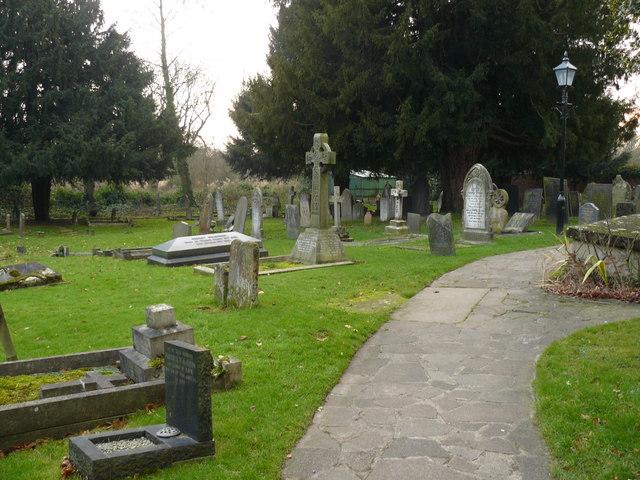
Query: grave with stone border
(198, 249)
(187, 434)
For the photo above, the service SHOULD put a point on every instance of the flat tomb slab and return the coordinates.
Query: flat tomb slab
(97, 458)
(29, 274)
(198, 249)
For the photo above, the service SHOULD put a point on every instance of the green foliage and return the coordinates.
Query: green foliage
(413, 87)
(75, 104)
(23, 388)
(587, 390)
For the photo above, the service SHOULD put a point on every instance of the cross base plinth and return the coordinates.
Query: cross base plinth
(315, 246)
(397, 227)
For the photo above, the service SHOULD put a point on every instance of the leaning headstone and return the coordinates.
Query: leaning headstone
(317, 244)
(358, 211)
(21, 225)
(241, 215)
(620, 192)
(244, 262)
(346, 205)
(219, 206)
(440, 229)
(588, 213)
(625, 208)
(600, 194)
(5, 337)
(181, 229)
(292, 219)
(368, 218)
(206, 215)
(413, 223)
(519, 222)
(305, 212)
(397, 225)
(220, 283)
(477, 195)
(532, 202)
(551, 192)
(256, 213)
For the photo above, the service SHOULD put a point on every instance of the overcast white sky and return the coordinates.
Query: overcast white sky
(228, 38)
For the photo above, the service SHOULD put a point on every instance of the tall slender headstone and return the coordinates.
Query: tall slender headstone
(7, 222)
(477, 195)
(335, 198)
(305, 211)
(386, 204)
(21, 225)
(206, 215)
(440, 229)
(256, 213)
(346, 205)
(317, 244)
(291, 195)
(219, 206)
(241, 215)
(244, 261)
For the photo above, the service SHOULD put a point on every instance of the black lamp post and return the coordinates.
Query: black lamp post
(564, 74)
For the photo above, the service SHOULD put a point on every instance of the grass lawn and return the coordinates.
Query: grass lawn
(299, 340)
(588, 395)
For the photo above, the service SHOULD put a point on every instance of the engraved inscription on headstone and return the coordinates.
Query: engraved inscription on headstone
(477, 194)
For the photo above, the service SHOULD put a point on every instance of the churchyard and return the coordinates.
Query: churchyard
(294, 345)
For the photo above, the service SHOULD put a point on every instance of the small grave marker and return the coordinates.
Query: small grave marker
(292, 219)
(625, 208)
(21, 225)
(588, 213)
(441, 235)
(5, 336)
(414, 221)
(519, 223)
(181, 229)
(368, 218)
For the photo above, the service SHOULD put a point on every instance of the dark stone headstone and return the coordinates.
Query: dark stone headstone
(206, 215)
(244, 262)
(551, 192)
(600, 194)
(625, 208)
(441, 235)
(220, 283)
(532, 202)
(513, 205)
(519, 222)
(413, 223)
(188, 389)
(588, 213)
(198, 249)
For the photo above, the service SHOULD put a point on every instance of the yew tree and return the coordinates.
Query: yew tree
(412, 87)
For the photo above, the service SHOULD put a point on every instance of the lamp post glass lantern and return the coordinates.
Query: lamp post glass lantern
(565, 72)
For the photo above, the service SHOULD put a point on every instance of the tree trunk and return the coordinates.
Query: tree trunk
(420, 197)
(89, 197)
(156, 193)
(185, 180)
(453, 167)
(40, 196)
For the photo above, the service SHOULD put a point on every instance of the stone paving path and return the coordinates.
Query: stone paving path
(443, 390)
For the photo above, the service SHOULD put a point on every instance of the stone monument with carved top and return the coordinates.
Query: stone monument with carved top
(397, 226)
(317, 244)
(477, 194)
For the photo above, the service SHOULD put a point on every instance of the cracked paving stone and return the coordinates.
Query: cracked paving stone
(414, 447)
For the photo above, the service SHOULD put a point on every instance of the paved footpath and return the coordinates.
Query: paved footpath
(443, 390)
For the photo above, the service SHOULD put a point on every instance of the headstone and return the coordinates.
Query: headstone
(620, 192)
(181, 229)
(206, 215)
(573, 203)
(5, 337)
(367, 218)
(439, 202)
(551, 192)
(21, 225)
(346, 205)
(198, 249)
(317, 245)
(625, 208)
(477, 195)
(413, 223)
(256, 213)
(440, 229)
(335, 199)
(292, 219)
(600, 194)
(386, 204)
(241, 215)
(499, 215)
(219, 206)
(588, 213)
(220, 283)
(358, 211)
(305, 212)
(244, 262)
(228, 225)
(532, 202)
(397, 226)
(519, 222)
(513, 205)
(276, 206)
(291, 195)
